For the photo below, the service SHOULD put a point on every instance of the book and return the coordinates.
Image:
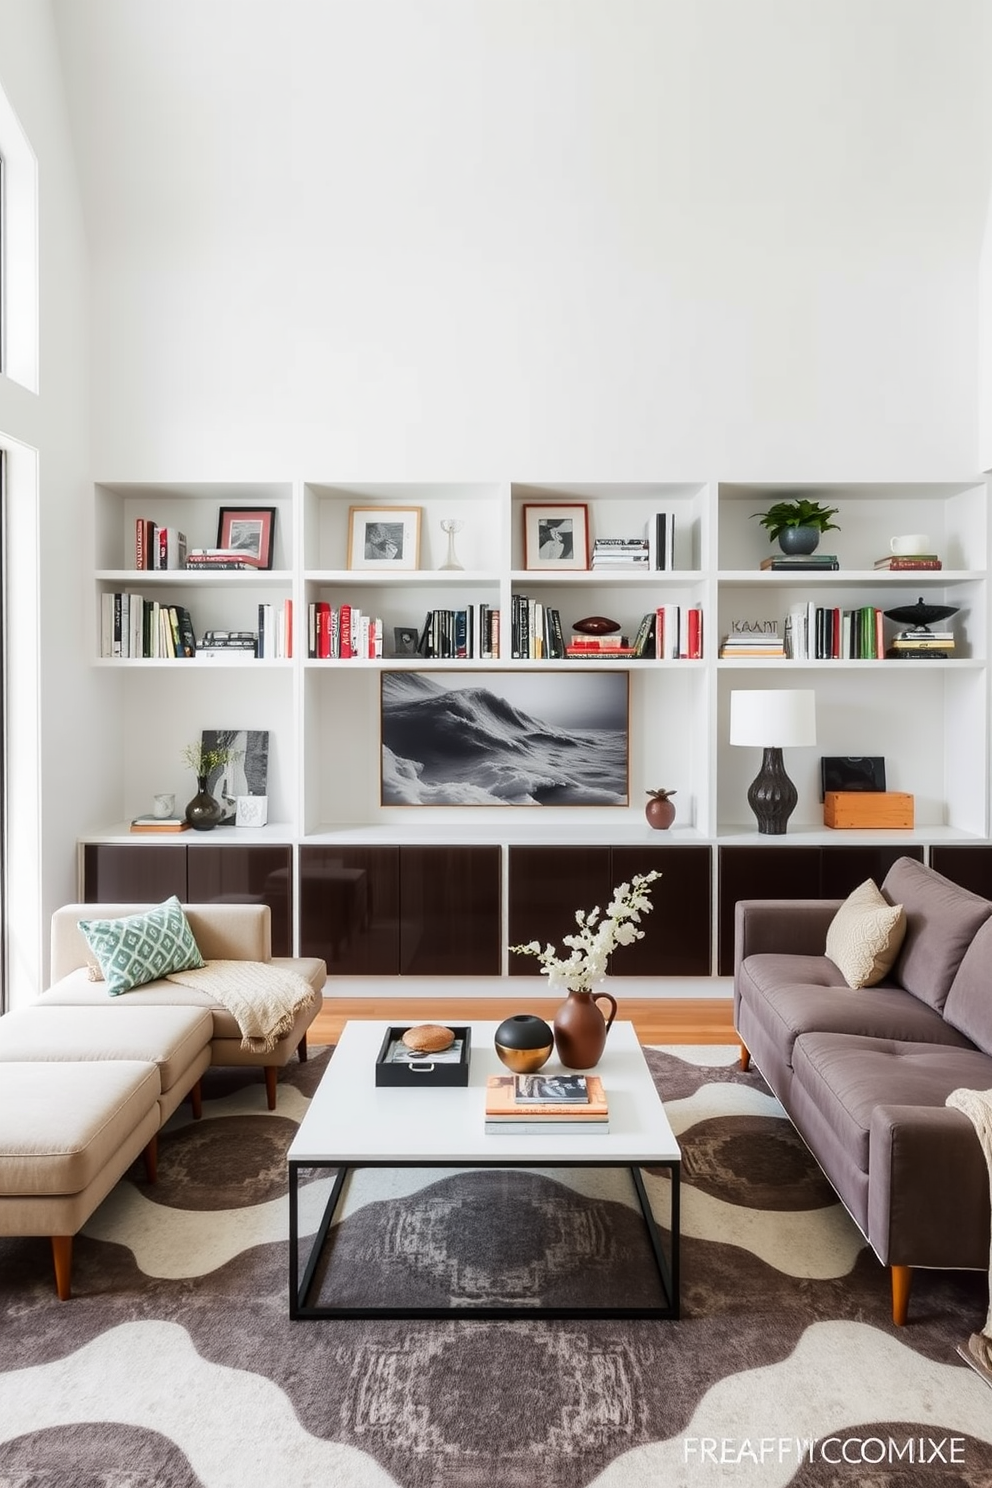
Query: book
(501, 1103)
(159, 824)
(546, 1128)
(544, 1090)
(809, 564)
(660, 530)
(909, 562)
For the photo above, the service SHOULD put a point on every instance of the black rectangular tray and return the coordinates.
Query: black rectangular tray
(424, 1071)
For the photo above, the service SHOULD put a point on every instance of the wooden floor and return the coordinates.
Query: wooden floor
(662, 1021)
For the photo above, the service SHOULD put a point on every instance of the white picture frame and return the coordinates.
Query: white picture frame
(384, 537)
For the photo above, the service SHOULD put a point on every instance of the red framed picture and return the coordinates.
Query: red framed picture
(248, 531)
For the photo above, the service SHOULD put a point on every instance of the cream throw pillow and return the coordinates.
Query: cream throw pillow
(865, 935)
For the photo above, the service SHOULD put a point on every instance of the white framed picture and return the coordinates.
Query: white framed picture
(386, 537)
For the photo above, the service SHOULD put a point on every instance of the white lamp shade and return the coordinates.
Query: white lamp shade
(773, 719)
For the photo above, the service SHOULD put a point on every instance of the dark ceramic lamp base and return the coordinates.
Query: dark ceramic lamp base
(772, 796)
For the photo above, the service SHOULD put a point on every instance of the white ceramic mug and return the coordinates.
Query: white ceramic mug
(163, 806)
(909, 544)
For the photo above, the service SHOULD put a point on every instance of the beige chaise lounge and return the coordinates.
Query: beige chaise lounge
(86, 1079)
(223, 932)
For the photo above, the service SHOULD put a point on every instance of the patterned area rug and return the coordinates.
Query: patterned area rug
(176, 1365)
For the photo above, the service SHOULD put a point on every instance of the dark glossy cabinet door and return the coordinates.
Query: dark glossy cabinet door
(350, 909)
(450, 899)
(114, 873)
(253, 874)
(796, 873)
(843, 868)
(677, 938)
(761, 873)
(971, 867)
(547, 886)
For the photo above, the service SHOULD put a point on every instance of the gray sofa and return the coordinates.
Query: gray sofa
(864, 1072)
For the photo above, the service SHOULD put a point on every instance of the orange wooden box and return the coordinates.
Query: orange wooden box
(867, 809)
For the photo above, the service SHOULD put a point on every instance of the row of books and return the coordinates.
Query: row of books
(471, 633)
(342, 633)
(133, 628)
(158, 547)
(827, 633)
(535, 630)
(538, 1105)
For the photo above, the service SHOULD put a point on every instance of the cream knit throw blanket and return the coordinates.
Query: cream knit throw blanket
(264, 999)
(977, 1106)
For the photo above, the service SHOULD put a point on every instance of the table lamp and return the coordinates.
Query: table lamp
(773, 720)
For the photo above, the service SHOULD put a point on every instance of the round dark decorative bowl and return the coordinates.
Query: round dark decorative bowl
(524, 1043)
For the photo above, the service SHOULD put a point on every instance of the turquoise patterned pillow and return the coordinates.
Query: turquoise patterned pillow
(140, 948)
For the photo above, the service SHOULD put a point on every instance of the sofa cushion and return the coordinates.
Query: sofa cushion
(969, 1002)
(864, 936)
(140, 948)
(942, 920)
(786, 1011)
(846, 1077)
(170, 1037)
(60, 1126)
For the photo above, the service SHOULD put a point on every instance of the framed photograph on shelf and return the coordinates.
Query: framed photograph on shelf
(245, 774)
(249, 529)
(495, 738)
(384, 537)
(556, 536)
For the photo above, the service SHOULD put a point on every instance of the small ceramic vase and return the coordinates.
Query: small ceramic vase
(581, 1029)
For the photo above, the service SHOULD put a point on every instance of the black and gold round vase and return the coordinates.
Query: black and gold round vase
(524, 1043)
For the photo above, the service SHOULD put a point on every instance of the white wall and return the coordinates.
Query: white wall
(532, 238)
(55, 711)
(575, 239)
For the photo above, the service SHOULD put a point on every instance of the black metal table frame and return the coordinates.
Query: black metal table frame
(299, 1287)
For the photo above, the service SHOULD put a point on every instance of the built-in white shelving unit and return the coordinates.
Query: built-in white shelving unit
(930, 719)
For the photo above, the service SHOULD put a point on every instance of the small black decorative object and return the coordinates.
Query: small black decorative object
(855, 772)
(919, 615)
(524, 1043)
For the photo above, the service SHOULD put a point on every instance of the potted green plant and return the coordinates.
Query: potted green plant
(205, 811)
(798, 524)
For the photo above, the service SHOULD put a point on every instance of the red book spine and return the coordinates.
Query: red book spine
(323, 629)
(345, 632)
(695, 646)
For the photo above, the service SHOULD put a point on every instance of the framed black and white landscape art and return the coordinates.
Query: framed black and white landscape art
(494, 738)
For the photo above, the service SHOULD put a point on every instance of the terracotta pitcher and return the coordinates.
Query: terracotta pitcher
(581, 1029)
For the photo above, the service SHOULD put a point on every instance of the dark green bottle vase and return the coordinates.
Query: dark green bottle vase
(204, 811)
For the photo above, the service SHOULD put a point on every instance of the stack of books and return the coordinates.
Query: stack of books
(159, 824)
(213, 559)
(735, 648)
(535, 1105)
(608, 646)
(898, 562)
(932, 645)
(231, 644)
(628, 553)
(798, 563)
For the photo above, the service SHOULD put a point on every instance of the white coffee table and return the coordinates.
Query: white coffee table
(352, 1122)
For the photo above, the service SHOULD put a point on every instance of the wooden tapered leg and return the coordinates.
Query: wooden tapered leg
(745, 1058)
(62, 1257)
(150, 1156)
(271, 1076)
(301, 1049)
(196, 1101)
(902, 1280)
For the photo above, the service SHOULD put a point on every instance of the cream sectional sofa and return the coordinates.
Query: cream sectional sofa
(87, 1079)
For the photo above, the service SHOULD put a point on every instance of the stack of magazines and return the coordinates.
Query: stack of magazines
(532, 1105)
